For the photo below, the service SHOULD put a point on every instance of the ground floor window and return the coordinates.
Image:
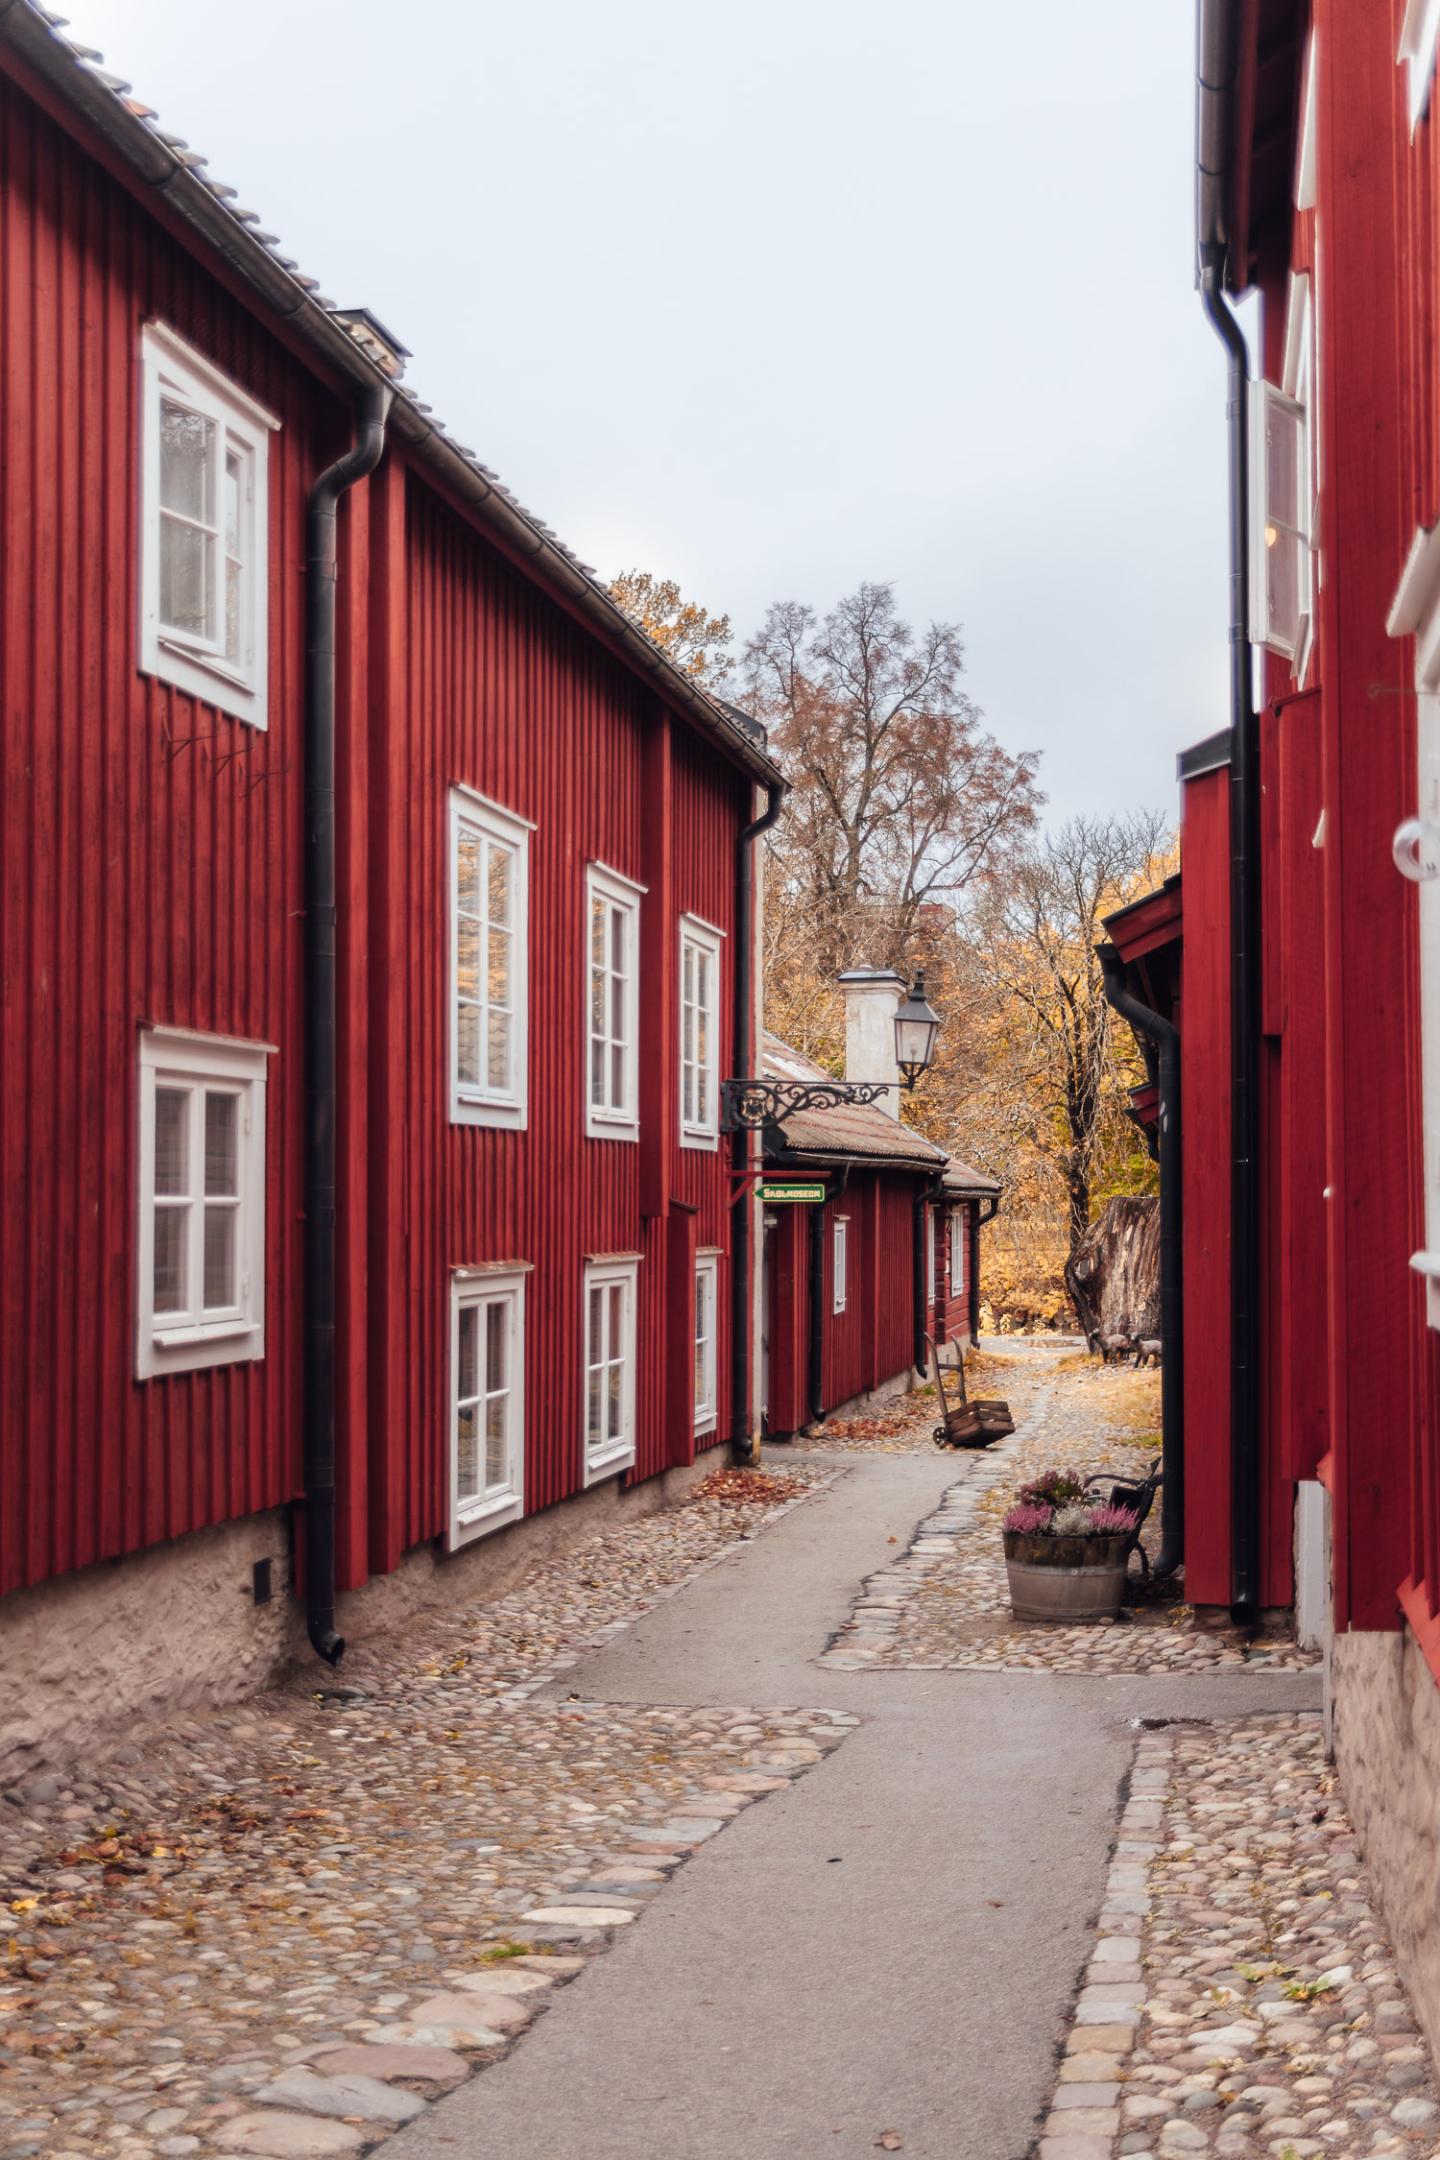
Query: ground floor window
(957, 1251)
(707, 1281)
(610, 1287)
(487, 1424)
(840, 1267)
(201, 1241)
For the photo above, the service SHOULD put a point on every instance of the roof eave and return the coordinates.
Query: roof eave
(159, 166)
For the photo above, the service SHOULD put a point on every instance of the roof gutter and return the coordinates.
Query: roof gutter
(745, 1429)
(167, 166)
(1216, 76)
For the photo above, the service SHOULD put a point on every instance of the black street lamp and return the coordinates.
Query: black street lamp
(748, 1105)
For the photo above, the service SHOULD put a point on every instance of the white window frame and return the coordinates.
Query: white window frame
(614, 1120)
(931, 1257)
(479, 1289)
(607, 1453)
(1288, 407)
(1419, 37)
(839, 1263)
(473, 1102)
(187, 1340)
(701, 1127)
(1416, 611)
(173, 370)
(959, 1223)
(707, 1336)
(1305, 159)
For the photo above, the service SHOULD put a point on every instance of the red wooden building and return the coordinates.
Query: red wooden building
(1300, 958)
(855, 1283)
(377, 918)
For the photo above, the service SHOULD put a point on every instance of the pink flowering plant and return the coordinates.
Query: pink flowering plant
(1055, 1505)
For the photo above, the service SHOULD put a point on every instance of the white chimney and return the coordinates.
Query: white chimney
(871, 996)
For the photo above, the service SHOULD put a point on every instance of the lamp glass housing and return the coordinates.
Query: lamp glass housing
(917, 1028)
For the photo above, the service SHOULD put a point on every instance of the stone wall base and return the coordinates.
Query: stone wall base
(872, 1399)
(1385, 1708)
(176, 1628)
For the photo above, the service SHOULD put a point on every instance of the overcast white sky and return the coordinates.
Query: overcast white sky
(781, 294)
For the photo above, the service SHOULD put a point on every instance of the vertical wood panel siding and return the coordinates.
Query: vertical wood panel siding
(150, 873)
(504, 694)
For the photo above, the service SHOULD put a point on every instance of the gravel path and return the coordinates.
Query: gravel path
(945, 1604)
(1241, 1998)
(378, 1884)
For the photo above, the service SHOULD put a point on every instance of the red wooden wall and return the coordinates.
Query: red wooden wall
(150, 873)
(872, 1341)
(493, 687)
(1205, 1094)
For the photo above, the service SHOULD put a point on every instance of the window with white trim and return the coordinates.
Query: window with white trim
(489, 962)
(840, 1263)
(707, 1305)
(1305, 168)
(699, 1033)
(487, 1402)
(202, 1202)
(1419, 37)
(610, 1290)
(1283, 490)
(612, 934)
(957, 1251)
(203, 528)
(1416, 611)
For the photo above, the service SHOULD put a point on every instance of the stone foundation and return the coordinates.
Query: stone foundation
(1385, 1708)
(83, 1657)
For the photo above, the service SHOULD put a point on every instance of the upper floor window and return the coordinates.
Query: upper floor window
(699, 1033)
(610, 1287)
(957, 1251)
(840, 1266)
(1419, 36)
(612, 919)
(707, 1285)
(489, 961)
(203, 529)
(1283, 494)
(487, 1435)
(202, 1201)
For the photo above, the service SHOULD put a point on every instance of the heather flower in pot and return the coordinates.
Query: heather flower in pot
(1066, 1554)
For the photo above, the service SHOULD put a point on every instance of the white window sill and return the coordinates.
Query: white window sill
(505, 1114)
(704, 1421)
(692, 1136)
(488, 1515)
(202, 675)
(190, 1349)
(604, 1466)
(600, 1127)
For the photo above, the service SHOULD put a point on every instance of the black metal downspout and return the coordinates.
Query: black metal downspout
(742, 1433)
(815, 1379)
(1172, 1306)
(320, 1009)
(1244, 987)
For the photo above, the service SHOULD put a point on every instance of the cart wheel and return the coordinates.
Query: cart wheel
(940, 1437)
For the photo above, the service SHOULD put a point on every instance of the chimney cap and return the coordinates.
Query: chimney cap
(866, 976)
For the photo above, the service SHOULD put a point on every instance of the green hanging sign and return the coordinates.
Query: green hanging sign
(804, 1193)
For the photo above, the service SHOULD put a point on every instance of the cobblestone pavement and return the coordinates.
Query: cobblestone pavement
(907, 1424)
(945, 1604)
(281, 1931)
(1241, 1999)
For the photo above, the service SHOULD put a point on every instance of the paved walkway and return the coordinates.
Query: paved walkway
(890, 1946)
(788, 1871)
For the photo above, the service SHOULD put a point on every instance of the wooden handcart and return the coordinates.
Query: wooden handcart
(966, 1423)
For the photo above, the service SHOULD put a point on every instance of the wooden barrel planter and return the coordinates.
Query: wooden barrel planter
(1066, 1579)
